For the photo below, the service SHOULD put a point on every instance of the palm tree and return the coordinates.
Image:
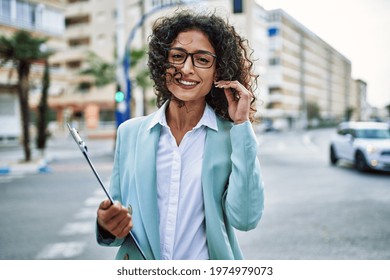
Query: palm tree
(43, 109)
(104, 72)
(22, 50)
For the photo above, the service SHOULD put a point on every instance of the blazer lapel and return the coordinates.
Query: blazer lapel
(145, 177)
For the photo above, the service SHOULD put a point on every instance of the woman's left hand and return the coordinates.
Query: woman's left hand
(239, 106)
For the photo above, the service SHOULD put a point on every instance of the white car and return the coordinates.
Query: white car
(366, 144)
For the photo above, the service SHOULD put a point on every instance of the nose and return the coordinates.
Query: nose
(188, 65)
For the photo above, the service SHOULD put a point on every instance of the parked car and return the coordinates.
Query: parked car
(366, 144)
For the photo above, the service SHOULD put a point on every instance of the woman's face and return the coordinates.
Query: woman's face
(195, 81)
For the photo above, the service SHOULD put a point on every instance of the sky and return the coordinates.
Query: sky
(358, 29)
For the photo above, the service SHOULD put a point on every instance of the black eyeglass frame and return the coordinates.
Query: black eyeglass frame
(192, 57)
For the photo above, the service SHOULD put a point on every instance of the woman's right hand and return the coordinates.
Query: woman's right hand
(114, 218)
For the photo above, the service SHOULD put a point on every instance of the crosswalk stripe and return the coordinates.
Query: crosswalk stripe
(78, 228)
(86, 213)
(85, 224)
(62, 250)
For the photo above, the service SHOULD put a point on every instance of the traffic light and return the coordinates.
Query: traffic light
(122, 108)
(119, 96)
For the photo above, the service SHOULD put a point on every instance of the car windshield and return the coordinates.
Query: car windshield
(373, 133)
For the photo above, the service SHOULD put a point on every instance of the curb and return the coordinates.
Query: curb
(40, 167)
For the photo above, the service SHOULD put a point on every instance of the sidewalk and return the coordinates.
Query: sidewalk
(60, 146)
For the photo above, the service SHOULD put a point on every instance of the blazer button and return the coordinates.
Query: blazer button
(126, 257)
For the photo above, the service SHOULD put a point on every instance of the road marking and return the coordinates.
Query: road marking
(306, 139)
(10, 177)
(93, 201)
(72, 249)
(86, 213)
(78, 228)
(62, 250)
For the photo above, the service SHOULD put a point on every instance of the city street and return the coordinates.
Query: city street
(312, 210)
(52, 215)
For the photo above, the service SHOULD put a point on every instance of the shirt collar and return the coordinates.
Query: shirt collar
(208, 119)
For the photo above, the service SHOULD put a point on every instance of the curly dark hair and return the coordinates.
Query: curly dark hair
(233, 56)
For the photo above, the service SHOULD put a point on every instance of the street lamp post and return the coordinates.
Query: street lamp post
(123, 110)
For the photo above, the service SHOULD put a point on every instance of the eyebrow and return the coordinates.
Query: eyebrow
(198, 51)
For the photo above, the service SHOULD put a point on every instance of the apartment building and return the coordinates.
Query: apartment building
(298, 71)
(101, 26)
(307, 78)
(42, 19)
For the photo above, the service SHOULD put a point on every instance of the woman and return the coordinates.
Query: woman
(189, 171)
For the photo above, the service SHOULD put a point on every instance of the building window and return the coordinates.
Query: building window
(274, 61)
(237, 6)
(79, 42)
(159, 3)
(107, 115)
(273, 31)
(74, 21)
(24, 15)
(5, 9)
(75, 1)
(84, 87)
(7, 106)
(75, 64)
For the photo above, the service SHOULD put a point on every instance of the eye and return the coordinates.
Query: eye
(176, 56)
(202, 60)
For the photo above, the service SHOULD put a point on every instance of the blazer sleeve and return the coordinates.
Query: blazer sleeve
(244, 196)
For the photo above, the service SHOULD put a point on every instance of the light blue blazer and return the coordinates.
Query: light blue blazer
(231, 181)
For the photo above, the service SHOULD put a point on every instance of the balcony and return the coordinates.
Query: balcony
(78, 9)
(78, 31)
(75, 53)
(33, 17)
(276, 97)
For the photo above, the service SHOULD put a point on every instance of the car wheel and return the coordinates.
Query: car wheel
(360, 162)
(333, 156)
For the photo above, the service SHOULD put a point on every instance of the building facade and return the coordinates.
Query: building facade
(41, 19)
(301, 77)
(104, 27)
(308, 79)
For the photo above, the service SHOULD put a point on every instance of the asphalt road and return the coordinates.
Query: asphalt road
(52, 216)
(312, 210)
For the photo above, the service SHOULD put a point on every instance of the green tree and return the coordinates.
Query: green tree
(42, 117)
(348, 113)
(104, 72)
(313, 111)
(22, 49)
(388, 109)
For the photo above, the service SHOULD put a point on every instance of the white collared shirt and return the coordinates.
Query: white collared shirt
(179, 189)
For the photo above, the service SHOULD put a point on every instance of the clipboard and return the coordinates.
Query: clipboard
(83, 148)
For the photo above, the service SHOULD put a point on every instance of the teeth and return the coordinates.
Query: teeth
(187, 83)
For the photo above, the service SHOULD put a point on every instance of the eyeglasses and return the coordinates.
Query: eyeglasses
(200, 59)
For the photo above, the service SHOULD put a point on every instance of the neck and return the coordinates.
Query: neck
(182, 119)
(184, 116)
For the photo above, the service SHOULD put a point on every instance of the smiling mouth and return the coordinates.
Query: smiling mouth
(186, 83)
